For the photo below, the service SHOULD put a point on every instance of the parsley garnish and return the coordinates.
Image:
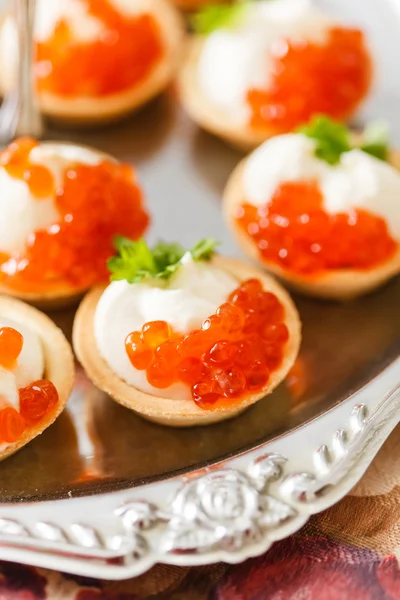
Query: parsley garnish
(219, 16)
(204, 249)
(376, 139)
(135, 261)
(333, 139)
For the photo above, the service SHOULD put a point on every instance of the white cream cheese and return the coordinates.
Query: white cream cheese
(234, 61)
(83, 25)
(359, 180)
(193, 294)
(29, 367)
(20, 212)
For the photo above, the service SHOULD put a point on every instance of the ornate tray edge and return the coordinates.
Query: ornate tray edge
(229, 512)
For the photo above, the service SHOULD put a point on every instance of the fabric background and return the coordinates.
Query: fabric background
(349, 552)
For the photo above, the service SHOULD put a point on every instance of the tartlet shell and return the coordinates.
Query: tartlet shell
(178, 413)
(64, 295)
(212, 118)
(91, 111)
(207, 115)
(58, 358)
(339, 284)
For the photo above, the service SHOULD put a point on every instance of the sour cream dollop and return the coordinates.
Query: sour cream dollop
(234, 61)
(194, 293)
(359, 180)
(29, 367)
(20, 212)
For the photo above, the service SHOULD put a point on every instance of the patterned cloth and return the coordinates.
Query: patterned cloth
(349, 552)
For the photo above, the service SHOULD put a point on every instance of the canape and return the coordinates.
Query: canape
(320, 209)
(186, 338)
(36, 374)
(258, 69)
(60, 208)
(98, 60)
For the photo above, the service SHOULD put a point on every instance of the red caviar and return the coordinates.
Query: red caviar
(35, 401)
(309, 78)
(16, 161)
(295, 232)
(121, 57)
(231, 356)
(95, 203)
(12, 425)
(11, 342)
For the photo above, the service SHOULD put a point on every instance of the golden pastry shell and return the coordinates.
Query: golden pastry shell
(212, 118)
(339, 284)
(62, 295)
(179, 413)
(58, 360)
(95, 110)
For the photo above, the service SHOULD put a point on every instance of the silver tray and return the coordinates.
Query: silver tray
(104, 493)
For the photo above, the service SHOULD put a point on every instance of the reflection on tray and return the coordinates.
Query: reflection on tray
(343, 344)
(97, 445)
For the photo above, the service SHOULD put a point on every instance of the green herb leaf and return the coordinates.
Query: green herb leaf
(219, 16)
(133, 262)
(332, 138)
(136, 261)
(166, 255)
(376, 140)
(204, 249)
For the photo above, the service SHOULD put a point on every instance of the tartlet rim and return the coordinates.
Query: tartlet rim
(336, 284)
(90, 110)
(63, 295)
(214, 119)
(179, 413)
(58, 358)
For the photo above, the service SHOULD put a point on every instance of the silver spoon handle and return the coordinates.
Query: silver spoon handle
(20, 115)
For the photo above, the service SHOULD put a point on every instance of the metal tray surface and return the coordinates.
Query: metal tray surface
(130, 494)
(98, 446)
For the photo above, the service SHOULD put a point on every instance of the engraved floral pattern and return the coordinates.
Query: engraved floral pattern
(221, 514)
(225, 509)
